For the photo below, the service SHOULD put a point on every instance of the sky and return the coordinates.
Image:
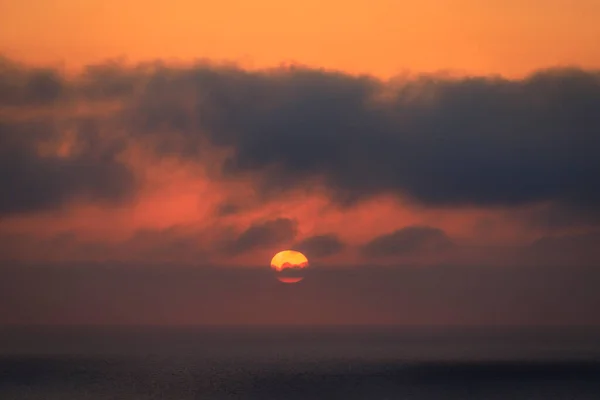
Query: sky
(436, 161)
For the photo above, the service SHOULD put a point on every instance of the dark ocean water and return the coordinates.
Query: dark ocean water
(300, 363)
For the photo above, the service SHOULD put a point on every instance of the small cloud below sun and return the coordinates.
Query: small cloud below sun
(289, 266)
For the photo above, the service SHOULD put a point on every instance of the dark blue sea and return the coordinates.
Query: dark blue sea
(71, 363)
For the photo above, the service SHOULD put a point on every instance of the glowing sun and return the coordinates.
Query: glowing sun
(289, 266)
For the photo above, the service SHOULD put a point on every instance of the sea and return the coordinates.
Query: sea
(298, 362)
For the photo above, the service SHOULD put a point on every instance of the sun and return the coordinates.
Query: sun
(289, 266)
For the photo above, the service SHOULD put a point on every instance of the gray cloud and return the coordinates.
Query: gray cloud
(32, 180)
(439, 141)
(264, 234)
(20, 85)
(25, 85)
(320, 246)
(408, 241)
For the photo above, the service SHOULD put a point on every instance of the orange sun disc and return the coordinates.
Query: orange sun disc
(289, 266)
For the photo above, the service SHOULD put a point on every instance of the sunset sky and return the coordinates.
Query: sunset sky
(436, 161)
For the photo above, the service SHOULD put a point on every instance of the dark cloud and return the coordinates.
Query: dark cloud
(320, 246)
(264, 235)
(111, 80)
(20, 85)
(408, 241)
(439, 141)
(443, 142)
(33, 180)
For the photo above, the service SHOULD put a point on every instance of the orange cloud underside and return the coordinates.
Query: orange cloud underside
(178, 197)
(382, 37)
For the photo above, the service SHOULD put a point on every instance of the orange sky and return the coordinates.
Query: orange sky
(382, 37)
(189, 163)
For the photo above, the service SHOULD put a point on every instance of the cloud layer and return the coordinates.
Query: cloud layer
(525, 147)
(440, 141)
(321, 246)
(33, 179)
(408, 241)
(266, 234)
